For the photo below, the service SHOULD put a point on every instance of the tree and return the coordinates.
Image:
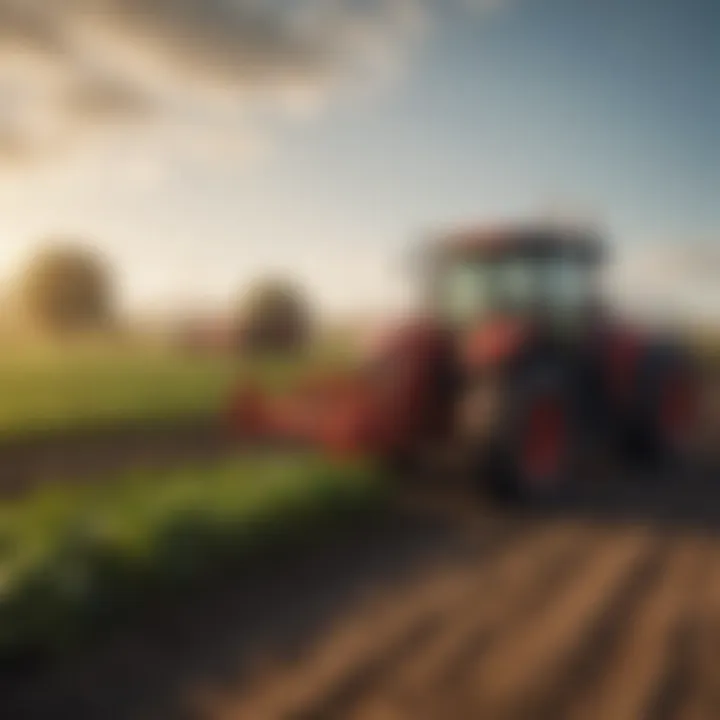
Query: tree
(274, 317)
(67, 288)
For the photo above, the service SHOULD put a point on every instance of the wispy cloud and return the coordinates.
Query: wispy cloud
(70, 67)
(676, 278)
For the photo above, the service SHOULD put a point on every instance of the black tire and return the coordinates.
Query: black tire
(593, 411)
(648, 442)
(502, 466)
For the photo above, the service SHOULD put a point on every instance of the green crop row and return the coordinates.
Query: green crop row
(75, 560)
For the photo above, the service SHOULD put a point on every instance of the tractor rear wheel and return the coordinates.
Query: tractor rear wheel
(531, 453)
(663, 427)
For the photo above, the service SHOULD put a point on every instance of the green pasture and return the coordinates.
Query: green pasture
(49, 392)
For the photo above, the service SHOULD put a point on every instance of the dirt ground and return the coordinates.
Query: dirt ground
(98, 455)
(604, 608)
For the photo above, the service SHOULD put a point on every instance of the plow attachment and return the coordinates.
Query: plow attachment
(338, 416)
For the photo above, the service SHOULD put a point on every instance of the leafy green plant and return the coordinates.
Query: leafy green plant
(73, 560)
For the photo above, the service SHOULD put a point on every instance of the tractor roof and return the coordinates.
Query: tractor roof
(530, 241)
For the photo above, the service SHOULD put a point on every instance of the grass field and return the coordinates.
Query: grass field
(75, 560)
(47, 392)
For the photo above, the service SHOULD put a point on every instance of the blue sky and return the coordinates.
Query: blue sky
(612, 107)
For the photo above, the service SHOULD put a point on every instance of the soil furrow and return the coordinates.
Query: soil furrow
(623, 667)
(506, 681)
(499, 596)
(391, 629)
(698, 695)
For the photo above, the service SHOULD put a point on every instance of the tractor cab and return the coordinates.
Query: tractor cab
(542, 276)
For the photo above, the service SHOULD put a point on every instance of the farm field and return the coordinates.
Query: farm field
(78, 417)
(73, 417)
(606, 607)
(359, 360)
(46, 393)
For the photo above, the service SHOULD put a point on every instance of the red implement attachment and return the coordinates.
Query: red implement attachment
(385, 407)
(335, 414)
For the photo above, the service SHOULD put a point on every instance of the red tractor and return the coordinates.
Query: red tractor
(514, 363)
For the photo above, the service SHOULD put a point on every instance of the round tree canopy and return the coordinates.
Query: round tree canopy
(273, 316)
(67, 287)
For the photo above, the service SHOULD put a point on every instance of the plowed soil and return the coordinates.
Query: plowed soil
(98, 455)
(604, 608)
